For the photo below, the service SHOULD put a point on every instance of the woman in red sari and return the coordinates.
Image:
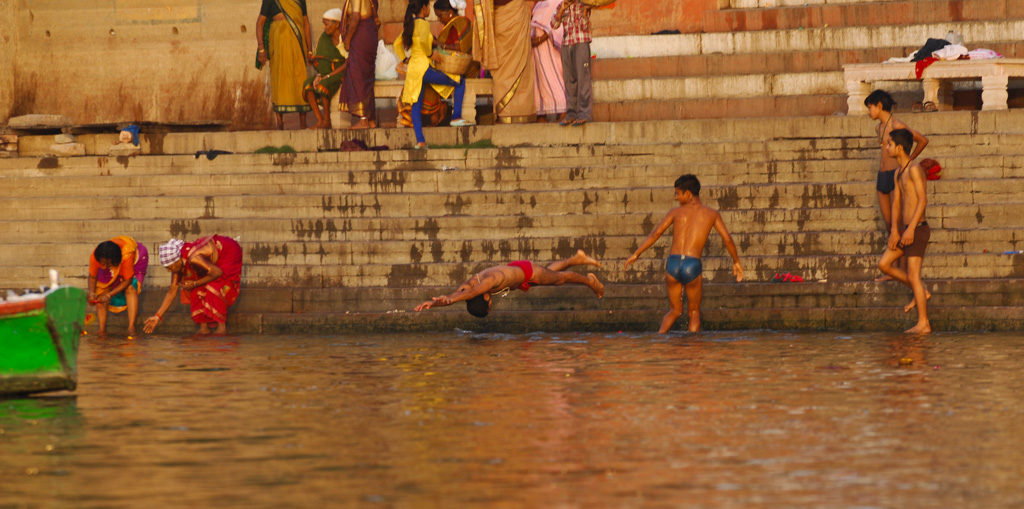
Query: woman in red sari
(209, 272)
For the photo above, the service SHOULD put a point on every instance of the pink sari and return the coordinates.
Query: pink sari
(549, 89)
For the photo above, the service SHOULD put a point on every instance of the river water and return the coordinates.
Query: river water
(748, 419)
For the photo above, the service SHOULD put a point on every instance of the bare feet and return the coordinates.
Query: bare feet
(595, 285)
(222, 328)
(131, 331)
(921, 328)
(101, 332)
(364, 124)
(581, 258)
(913, 302)
(883, 278)
(204, 330)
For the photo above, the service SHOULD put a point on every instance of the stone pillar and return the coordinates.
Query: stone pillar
(993, 92)
(8, 50)
(858, 91)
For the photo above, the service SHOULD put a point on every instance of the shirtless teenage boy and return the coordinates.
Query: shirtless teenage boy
(520, 274)
(692, 223)
(880, 105)
(909, 200)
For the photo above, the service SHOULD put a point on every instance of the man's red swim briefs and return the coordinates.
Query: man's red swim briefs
(527, 268)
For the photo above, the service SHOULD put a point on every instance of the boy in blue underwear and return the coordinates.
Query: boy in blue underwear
(692, 223)
(520, 275)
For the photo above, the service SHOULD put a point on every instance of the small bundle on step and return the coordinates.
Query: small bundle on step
(8, 145)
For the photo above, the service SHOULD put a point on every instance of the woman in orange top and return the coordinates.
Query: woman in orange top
(116, 270)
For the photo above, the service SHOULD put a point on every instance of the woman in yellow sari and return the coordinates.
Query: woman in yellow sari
(286, 44)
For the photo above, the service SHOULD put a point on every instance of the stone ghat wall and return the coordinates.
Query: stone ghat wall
(353, 241)
(178, 60)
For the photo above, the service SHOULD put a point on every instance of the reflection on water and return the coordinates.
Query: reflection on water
(750, 419)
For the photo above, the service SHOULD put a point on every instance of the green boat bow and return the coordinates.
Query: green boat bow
(39, 342)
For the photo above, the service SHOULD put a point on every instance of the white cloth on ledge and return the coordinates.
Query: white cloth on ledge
(950, 52)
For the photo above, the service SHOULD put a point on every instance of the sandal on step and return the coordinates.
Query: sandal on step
(929, 106)
(916, 108)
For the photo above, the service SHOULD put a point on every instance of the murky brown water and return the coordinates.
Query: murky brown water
(543, 420)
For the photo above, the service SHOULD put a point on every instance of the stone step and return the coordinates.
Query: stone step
(750, 296)
(797, 14)
(804, 165)
(717, 269)
(812, 61)
(511, 137)
(1000, 219)
(770, 40)
(865, 294)
(612, 247)
(991, 197)
(504, 180)
(887, 319)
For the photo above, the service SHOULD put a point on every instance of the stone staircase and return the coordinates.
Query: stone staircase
(351, 241)
(788, 59)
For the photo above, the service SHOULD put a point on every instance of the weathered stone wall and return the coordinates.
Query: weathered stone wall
(186, 60)
(8, 49)
(152, 60)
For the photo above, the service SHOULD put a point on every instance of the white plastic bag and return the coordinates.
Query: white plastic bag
(385, 64)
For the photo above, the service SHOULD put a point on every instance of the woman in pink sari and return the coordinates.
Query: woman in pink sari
(209, 272)
(549, 89)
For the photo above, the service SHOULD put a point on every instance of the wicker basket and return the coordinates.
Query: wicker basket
(597, 3)
(453, 62)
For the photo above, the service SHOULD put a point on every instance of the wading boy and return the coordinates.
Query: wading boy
(880, 106)
(908, 204)
(691, 224)
(516, 275)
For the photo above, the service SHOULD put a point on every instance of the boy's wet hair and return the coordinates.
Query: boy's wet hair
(443, 5)
(880, 97)
(108, 250)
(478, 306)
(903, 138)
(688, 183)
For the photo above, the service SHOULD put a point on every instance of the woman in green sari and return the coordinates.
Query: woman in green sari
(329, 60)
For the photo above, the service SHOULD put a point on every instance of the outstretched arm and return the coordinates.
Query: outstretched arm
(651, 239)
(466, 291)
(737, 270)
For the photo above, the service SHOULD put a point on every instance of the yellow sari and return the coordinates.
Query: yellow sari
(287, 54)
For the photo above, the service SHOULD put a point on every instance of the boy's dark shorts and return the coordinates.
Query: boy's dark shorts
(922, 233)
(886, 181)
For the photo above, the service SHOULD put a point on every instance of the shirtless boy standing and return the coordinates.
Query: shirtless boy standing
(692, 224)
(908, 203)
(520, 274)
(880, 105)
